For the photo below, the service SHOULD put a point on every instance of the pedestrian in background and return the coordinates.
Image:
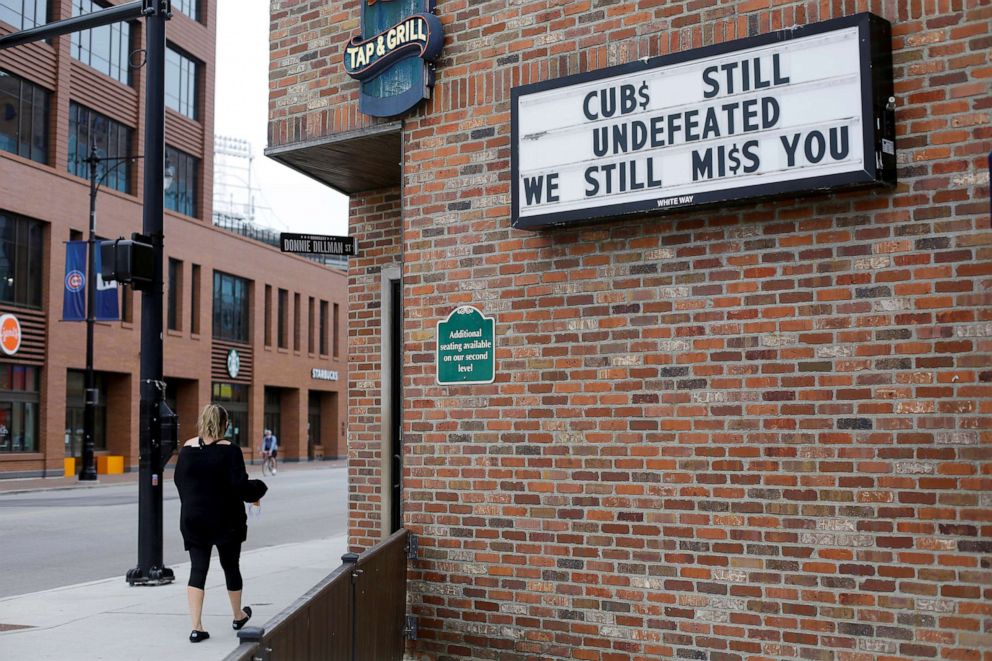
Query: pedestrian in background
(270, 449)
(213, 487)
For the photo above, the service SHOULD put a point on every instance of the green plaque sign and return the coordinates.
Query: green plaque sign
(466, 348)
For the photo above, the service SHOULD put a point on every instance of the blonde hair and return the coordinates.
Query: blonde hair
(213, 422)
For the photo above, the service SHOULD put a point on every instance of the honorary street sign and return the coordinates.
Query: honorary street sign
(317, 244)
(803, 109)
(466, 348)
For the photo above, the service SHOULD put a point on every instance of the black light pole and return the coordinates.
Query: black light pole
(91, 395)
(88, 470)
(150, 568)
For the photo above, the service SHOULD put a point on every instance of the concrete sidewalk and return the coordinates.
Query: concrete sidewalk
(108, 620)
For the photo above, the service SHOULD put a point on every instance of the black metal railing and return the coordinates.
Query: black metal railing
(357, 613)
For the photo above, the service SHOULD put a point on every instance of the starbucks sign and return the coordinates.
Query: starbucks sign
(233, 363)
(466, 348)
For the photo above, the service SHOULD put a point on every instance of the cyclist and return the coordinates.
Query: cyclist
(270, 448)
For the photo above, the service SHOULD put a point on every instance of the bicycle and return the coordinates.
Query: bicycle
(268, 464)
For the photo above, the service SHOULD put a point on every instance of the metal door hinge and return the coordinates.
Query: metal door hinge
(410, 628)
(412, 546)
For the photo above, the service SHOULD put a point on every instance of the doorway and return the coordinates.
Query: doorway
(395, 404)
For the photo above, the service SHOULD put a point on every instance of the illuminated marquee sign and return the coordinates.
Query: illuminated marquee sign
(792, 111)
(392, 56)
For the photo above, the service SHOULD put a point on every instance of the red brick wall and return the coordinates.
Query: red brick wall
(758, 432)
(375, 224)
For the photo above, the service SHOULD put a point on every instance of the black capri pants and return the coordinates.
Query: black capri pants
(230, 559)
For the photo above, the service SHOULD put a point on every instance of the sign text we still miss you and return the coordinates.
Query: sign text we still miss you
(783, 116)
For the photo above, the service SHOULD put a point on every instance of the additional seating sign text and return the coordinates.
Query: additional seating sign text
(466, 351)
(785, 112)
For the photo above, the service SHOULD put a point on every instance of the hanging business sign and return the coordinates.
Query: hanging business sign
(10, 334)
(799, 110)
(393, 56)
(466, 348)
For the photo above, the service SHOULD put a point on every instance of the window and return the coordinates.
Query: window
(75, 407)
(313, 422)
(310, 325)
(234, 398)
(24, 13)
(268, 315)
(111, 140)
(323, 328)
(296, 322)
(336, 331)
(23, 117)
(107, 49)
(175, 294)
(282, 319)
(18, 407)
(194, 301)
(189, 7)
(181, 195)
(230, 308)
(180, 83)
(21, 243)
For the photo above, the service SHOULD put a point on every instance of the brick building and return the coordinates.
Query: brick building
(759, 430)
(224, 292)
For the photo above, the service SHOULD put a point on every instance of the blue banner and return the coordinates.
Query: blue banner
(106, 295)
(74, 299)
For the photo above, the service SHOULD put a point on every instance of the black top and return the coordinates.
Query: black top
(213, 487)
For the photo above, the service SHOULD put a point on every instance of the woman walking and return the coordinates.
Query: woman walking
(213, 487)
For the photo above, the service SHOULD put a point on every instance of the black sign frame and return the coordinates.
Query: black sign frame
(347, 244)
(877, 109)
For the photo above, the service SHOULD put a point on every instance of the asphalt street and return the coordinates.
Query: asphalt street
(61, 537)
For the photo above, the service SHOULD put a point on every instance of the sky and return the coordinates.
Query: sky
(289, 201)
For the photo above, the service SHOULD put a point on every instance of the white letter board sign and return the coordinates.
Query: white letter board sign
(793, 111)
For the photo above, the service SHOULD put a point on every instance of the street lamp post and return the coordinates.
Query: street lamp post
(91, 395)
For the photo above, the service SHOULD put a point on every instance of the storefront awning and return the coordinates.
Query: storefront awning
(352, 162)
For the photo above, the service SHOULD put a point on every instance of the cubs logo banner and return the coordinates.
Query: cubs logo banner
(74, 296)
(393, 55)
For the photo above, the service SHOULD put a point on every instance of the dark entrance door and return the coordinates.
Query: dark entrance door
(313, 425)
(396, 404)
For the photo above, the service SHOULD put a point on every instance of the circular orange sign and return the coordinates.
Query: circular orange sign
(10, 334)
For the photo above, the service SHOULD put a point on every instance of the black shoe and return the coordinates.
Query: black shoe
(237, 624)
(198, 636)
